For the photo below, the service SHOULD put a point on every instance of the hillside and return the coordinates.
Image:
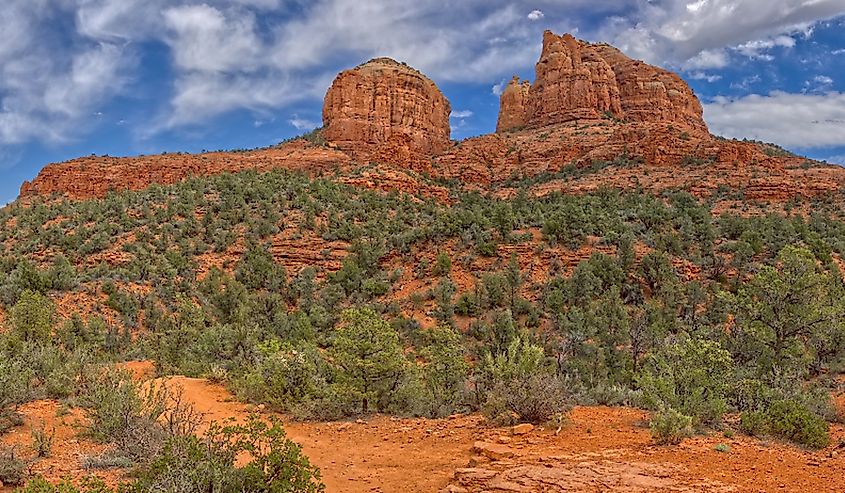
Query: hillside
(602, 248)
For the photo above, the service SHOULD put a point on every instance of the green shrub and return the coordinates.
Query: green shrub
(442, 265)
(283, 375)
(15, 378)
(691, 377)
(518, 386)
(444, 371)
(32, 317)
(13, 469)
(790, 420)
(137, 418)
(87, 485)
(188, 463)
(42, 441)
(670, 427)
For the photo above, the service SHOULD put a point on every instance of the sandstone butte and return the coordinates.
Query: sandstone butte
(589, 103)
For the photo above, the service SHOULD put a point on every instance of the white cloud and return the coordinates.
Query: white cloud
(698, 75)
(789, 119)
(49, 90)
(758, 49)
(818, 84)
(536, 15)
(461, 114)
(674, 31)
(708, 59)
(200, 96)
(202, 38)
(431, 38)
(302, 123)
(498, 88)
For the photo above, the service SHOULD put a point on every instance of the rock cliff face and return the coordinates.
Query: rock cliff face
(652, 94)
(383, 102)
(581, 81)
(513, 110)
(573, 83)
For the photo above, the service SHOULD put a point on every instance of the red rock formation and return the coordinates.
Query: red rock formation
(95, 176)
(573, 83)
(652, 94)
(581, 81)
(385, 102)
(390, 114)
(513, 111)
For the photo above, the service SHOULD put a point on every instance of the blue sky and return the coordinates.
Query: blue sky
(125, 77)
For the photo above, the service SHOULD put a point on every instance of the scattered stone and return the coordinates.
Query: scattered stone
(493, 451)
(522, 429)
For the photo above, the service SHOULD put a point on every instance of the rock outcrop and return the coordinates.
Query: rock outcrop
(513, 109)
(652, 94)
(573, 83)
(95, 176)
(577, 81)
(383, 103)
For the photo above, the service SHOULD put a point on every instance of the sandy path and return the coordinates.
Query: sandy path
(378, 455)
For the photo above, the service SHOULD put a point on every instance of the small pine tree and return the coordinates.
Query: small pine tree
(32, 317)
(368, 355)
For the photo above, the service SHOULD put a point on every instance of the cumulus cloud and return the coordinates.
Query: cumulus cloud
(789, 119)
(759, 48)
(203, 39)
(536, 15)
(708, 59)
(819, 83)
(46, 92)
